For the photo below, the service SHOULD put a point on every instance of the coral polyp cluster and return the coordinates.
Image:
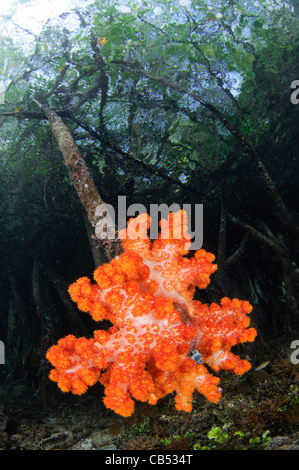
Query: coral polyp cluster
(160, 336)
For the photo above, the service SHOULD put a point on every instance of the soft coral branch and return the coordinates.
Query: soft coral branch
(147, 294)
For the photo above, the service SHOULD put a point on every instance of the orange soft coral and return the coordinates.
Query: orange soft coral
(160, 335)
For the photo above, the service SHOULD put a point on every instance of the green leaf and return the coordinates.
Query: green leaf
(220, 435)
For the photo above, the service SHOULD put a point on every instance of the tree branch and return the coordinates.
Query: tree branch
(80, 177)
(249, 149)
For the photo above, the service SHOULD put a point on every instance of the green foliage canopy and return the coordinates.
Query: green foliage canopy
(130, 97)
